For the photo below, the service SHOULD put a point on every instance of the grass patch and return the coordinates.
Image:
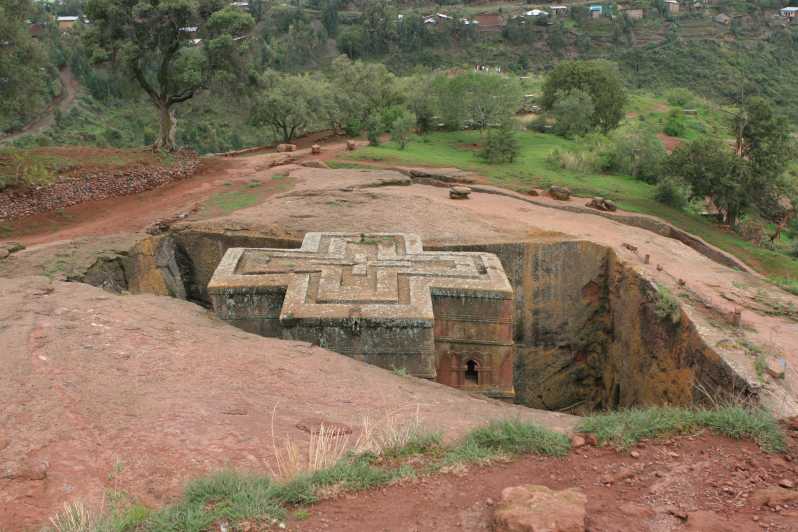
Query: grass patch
(626, 428)
(790, 285)
(508, 438)
(531, 169)
(229, 202)
(667, 306)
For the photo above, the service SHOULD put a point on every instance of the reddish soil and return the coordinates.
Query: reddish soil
(140, 394)
(136, 212)
(703, 483)
(670, 143)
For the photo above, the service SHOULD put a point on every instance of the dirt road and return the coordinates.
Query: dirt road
(129, 214)
(63, 102)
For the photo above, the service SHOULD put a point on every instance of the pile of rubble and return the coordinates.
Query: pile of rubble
(71, 190)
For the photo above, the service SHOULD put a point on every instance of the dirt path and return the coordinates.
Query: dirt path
(705, 483)
(134, 213)
(47, 119)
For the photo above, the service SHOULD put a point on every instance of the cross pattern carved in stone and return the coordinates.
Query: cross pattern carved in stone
(374, 275)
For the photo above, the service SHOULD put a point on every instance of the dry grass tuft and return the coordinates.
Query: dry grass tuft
(75, 517)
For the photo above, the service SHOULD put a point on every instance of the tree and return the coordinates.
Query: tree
(712, 171)
(491, 99)
(156, 41)
(570, 111)
(402, 127)
(329, 16)
(635, 150)
(501, 144)
(25, 70)
(361, 90)
(291, 104)
(600, 79)
(482, 99)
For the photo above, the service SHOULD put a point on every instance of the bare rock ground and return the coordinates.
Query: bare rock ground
(142, 393)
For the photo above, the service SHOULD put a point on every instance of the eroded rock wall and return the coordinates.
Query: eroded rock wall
(586, 330)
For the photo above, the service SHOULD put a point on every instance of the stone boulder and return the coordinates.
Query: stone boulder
(459, 192)
(534, 508)
(602, 204)
(283, 148)
(560, 193)
(315, 149)
(351, 145)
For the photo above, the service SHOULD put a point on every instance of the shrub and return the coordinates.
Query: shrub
(675, 124)
(571, 110)
(501, 145)
(679, 97)
(666, 306)
(636, 151)
(401, 128)
(672, 193)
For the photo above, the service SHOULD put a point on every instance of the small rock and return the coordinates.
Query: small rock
(315, 149)
(536, 508)
(578, 441)
(459, 192)
(776, 367)
(282, 148)
(784, 483)
(560, 193)
(350, 145)
(634, 454)
(532, 192)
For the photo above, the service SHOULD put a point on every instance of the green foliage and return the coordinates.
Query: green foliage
(20, 168)
(26, 72)
(151, 40)
(600, 79)
(501, 145)
(635, 150)
(508, 438)
(675, 124)
(625, 428)
(361, 90)
(570, 110)
(672, 193)
(401, 128)
(679, 97)
(291, 104)
(477, 99)
(419, 442)
(666, 307)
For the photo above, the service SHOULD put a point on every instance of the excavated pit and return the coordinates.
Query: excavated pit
(587, 331)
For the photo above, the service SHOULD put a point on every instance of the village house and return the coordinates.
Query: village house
(790, 13)
(66, 23)
(558, 11)
(672, 6)
(489, 22)
(595, 10)
(633, 14)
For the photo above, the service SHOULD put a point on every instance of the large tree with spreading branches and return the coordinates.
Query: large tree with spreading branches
(172, 48)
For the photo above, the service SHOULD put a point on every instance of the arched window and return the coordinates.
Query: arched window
(472, 372)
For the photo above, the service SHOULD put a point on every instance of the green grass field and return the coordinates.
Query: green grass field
(531, 169)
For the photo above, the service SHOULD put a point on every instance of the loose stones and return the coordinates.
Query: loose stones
(380, 298)
(459, 192)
